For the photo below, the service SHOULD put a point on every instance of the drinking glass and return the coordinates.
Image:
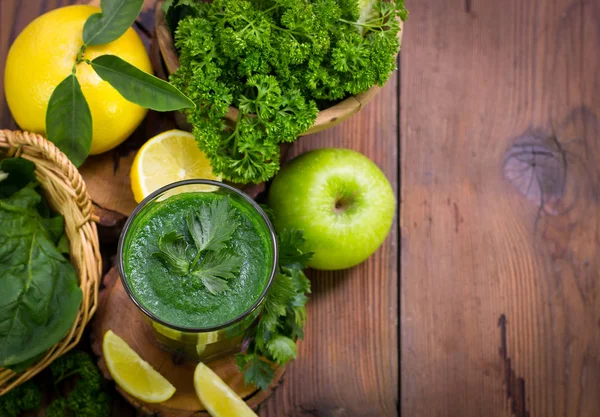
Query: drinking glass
(198, 343)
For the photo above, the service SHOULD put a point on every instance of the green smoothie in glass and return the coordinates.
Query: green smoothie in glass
(197, 257)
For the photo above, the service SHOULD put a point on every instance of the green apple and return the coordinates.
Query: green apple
(340, 199)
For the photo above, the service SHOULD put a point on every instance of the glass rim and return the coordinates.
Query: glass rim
(151, 197)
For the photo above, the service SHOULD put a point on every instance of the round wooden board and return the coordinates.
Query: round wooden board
(117, 313)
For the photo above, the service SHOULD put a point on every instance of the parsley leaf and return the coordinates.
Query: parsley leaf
(212, 225)
(282, 348)
(256, 370)
(290, 253)
(172, 251)
(216, 268)
(280, 295)
(283, 315)
(275, 61)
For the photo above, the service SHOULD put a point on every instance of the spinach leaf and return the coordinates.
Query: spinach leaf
(40, 294)
(20, 173)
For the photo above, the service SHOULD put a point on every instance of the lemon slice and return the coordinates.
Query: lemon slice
(216, 396)
(205, 339)
(166, 158)
(132, 373)
(167, 331)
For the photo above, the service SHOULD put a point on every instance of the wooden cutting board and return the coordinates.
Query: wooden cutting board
(118, 313)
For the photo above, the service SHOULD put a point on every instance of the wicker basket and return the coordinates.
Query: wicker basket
(326, 118)
(67, 194)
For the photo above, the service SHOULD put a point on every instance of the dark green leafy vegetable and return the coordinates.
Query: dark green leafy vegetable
(216, 268)
(172, 251)
(87, 398)
(40, 295)
(69, 121)
(138, 86)
(283, 317)
(25, 397)
(18, 172)
(211, 227)
(257, 371)
(116, 17)
(290, 254)
(63, 245)
(275, 61)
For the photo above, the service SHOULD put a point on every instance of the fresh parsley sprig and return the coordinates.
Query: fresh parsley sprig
(278, 62)
(216, 269)
(210, 260)
(273, 339)
(172, 250)
(68, 117)
(212, 226)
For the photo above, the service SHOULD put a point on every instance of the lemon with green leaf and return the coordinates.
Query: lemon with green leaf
(43, 55)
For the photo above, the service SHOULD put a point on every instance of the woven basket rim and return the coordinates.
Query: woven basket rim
(67, 194)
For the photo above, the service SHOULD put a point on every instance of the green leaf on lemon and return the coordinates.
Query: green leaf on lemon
(116, 17)
(138, 86)
(69, 121)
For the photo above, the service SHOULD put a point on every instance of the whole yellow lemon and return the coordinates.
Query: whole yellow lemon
(44, 54)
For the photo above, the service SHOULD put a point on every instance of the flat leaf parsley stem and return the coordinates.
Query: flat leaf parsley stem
(366, 24)
(235, 134)
(195, 261)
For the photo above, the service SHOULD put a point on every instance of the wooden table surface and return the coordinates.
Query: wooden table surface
(485, 298)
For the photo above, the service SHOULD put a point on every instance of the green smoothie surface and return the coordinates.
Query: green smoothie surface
(182, 299)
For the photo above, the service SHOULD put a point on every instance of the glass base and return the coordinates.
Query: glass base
(203, 346)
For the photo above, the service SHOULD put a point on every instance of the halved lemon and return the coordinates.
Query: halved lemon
(216, 396)
(166, 158)
(133, 374)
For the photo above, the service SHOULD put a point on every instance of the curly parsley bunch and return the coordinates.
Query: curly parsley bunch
(277, 62)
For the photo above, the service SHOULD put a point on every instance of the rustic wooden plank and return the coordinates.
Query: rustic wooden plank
(348, 363)
(500, 144)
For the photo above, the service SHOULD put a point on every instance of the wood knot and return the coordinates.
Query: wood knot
(536, 166)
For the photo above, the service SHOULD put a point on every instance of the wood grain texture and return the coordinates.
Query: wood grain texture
(347, 365)
(500, 209)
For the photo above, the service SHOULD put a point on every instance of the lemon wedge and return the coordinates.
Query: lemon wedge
(205, 339)
(216, 396)
(133, 374)
(166, 158)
